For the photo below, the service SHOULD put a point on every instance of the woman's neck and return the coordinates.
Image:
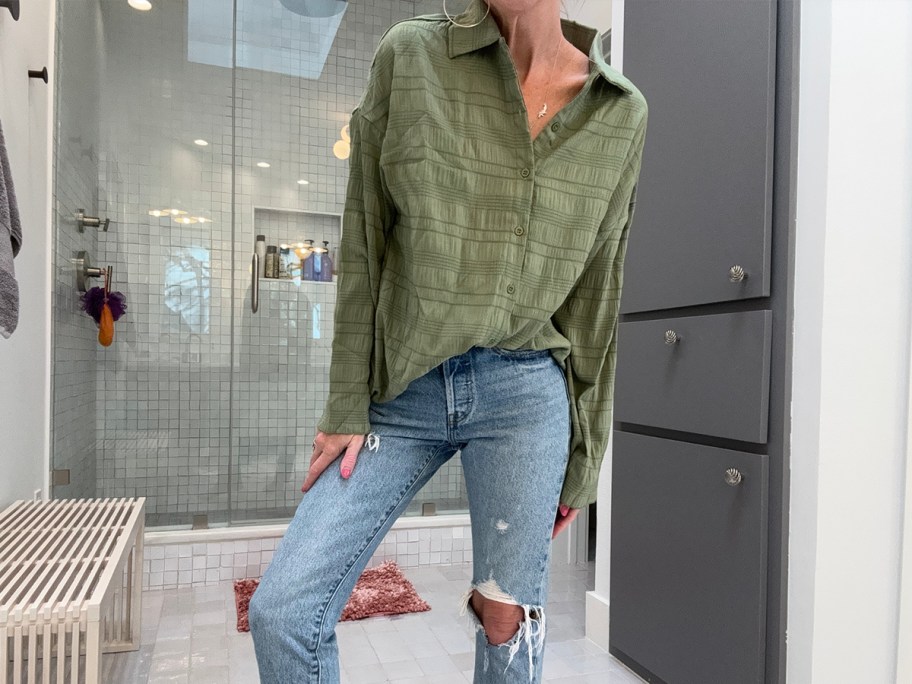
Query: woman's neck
(532, 36)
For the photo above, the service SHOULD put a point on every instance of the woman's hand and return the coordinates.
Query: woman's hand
(565, 516)
(327, 449)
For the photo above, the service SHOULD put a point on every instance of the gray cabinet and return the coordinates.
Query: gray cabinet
(698, 566)
(688, 560)
(704, 199)
(704, 374)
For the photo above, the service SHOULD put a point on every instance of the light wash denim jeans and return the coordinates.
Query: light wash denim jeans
(508, 412)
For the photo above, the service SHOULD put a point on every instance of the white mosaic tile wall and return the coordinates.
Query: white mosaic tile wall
(168, 566)
(200, 405)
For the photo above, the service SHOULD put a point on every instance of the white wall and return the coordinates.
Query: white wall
(25, 357)
(595, 13)
(598, 13)
(853, 301)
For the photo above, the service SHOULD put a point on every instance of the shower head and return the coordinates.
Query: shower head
(315, 8)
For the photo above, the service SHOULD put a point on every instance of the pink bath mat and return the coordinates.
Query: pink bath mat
(383, 590)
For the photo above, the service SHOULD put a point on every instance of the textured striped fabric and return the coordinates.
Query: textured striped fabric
(459, 230)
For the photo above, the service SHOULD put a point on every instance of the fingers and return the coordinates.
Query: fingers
(349, 460)
(327, 449)
(318, 463)
(563, 521)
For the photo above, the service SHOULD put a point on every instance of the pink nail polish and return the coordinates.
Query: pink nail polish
(564, 509)
(346, 472)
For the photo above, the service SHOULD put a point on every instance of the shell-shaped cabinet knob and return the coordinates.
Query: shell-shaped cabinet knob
(671, 337)
(736, 274)
(733, 477)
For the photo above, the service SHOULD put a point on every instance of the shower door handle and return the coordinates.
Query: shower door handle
(255, 287)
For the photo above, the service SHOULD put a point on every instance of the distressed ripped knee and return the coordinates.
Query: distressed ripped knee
(503, 621)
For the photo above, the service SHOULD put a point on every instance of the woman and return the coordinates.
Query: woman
(494, 163)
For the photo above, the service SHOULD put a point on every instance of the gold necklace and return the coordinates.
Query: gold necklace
(544, 109)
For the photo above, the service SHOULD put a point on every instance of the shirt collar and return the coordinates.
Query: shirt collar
(462, 40)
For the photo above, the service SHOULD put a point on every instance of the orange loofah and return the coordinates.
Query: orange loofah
(106, 326)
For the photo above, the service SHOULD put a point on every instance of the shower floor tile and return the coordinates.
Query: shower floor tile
(188, 635)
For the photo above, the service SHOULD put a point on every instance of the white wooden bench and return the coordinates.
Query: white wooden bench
(70, 584)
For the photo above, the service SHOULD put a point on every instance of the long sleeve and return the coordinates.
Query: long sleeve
(588, 318)
(367, 218)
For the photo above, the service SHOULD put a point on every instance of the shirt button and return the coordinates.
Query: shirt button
(519, 230)
(555, 127)
(510, 289)
(525, 173)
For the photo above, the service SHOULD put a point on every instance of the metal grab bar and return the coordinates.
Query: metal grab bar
(255, 287)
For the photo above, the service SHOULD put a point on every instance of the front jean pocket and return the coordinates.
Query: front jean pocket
(522, 354)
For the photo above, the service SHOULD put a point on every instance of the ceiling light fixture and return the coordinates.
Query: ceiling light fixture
(141, 5)
(303, 182)
(263, 165)
(341, 149)
(201, 142)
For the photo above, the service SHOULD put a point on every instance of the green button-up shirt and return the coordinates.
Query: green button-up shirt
(459, 230)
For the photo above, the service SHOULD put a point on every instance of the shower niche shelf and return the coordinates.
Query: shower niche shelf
(293, 227)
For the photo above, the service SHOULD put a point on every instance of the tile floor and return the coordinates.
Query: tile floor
(189, 637)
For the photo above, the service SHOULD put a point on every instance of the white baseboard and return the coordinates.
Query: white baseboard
(597, 619)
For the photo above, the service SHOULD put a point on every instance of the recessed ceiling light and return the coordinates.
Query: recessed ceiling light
(201, 142)
(141, 5)
(157, 213)
(303, 182)
(263, 165)
(185, 219)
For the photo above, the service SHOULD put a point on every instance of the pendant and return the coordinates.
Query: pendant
(544, 110)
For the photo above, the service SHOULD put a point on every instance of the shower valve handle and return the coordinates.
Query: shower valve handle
(91, 221)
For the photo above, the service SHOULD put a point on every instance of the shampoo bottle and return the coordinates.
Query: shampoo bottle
(307, 265)
(327, 263)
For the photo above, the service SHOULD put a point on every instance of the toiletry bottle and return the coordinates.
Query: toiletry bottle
(318, 264)
(335, 261)
(327, 263)
(284, 257)
(272, 253)
(260, 250)
(308, 261)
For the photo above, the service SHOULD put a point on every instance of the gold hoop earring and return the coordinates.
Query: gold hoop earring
(455, 23)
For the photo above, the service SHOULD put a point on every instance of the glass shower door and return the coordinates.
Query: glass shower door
(301, 69)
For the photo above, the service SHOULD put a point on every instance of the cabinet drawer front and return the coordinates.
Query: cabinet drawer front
(688, 560)
(714, 380)
(704, 200)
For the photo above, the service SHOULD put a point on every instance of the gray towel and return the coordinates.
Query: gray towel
(10, 242)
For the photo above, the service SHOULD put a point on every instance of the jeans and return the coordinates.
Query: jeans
(508, 413)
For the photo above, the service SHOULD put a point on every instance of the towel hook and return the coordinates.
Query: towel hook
(43, 74)
(12, 6)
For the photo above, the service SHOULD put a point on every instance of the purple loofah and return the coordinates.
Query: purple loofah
(93, 302)
(118, 304)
